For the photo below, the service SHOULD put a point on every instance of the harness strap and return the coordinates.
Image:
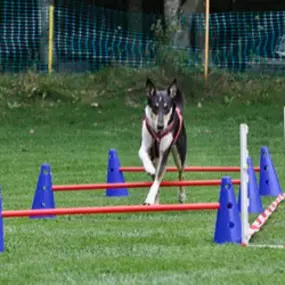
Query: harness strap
(157, 136)
(180, 118)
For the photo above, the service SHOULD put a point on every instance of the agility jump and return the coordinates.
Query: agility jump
(189, 169)
(232, 217)
(80, 187)
(111, 210)
(227, 224)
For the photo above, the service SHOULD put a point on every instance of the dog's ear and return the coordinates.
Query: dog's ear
(172, 89)
(149, 87)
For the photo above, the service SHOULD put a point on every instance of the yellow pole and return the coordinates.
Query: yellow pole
(206, 63)
(50, 40)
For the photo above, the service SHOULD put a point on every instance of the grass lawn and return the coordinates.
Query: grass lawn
(148, 248)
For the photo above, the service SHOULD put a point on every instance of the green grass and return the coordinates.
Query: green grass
(149, 248)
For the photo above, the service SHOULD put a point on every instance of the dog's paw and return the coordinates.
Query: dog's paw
(150, 170)
(148, 202)
(182, 198)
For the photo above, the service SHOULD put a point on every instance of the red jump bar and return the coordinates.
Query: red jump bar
(111, 210)
(190, 169)
(139, 185)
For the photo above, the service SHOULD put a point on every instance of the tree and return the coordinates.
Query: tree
(171, 8)
(191, 36)
(135, 19)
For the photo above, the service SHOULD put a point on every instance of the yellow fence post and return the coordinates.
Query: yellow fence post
(50, 41)
(206, 62)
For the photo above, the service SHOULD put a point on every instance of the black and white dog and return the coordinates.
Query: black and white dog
(163, 131)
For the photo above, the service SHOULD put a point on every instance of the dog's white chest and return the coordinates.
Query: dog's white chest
(165, 142)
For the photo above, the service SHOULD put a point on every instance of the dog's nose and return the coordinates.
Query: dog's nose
(160, 127)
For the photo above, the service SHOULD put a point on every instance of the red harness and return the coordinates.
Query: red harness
(157, 136)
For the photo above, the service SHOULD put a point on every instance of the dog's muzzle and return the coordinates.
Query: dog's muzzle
(160, 122)
(160, 127)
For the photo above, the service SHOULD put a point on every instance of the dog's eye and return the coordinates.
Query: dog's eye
(155, 109)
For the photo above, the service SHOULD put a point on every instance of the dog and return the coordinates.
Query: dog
(163, 131)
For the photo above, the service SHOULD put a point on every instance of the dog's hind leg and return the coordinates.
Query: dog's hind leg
(180, 167)
(182, 193)
(179, 156)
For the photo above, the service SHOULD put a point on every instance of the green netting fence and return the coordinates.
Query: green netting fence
(248, 41)
(87, 38)
(96, 37)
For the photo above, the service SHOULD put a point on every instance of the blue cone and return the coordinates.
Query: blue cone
(44, 197)
(268, 184)
(1, 224)
(255, 202)
(228, 223)
(114, 175)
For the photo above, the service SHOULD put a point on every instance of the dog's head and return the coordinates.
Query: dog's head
(160, 104)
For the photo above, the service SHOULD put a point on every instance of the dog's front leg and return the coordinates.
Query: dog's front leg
(146, 143)
(164, 149)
